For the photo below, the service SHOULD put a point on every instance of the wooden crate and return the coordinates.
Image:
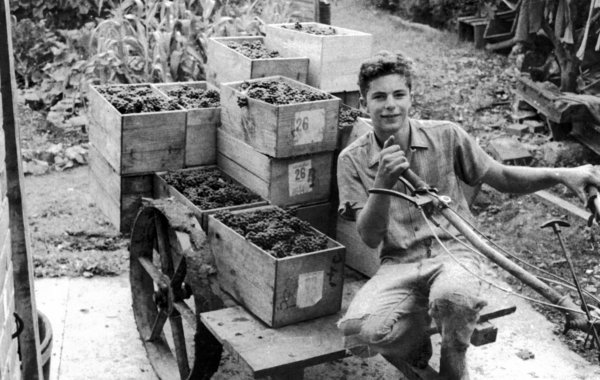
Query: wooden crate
(163, 190)
(280, 130)
(200, 127)
(278, 291)
(359, 256)
(349, 98)
(227, 65)
(334, 60)
(282, 181)
(321, 215)
(117, 196)
(136, 143)
(359, 128)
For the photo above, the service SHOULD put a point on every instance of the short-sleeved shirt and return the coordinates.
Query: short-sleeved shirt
(441, 153)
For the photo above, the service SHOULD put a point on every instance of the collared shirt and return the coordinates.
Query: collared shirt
(442, 154)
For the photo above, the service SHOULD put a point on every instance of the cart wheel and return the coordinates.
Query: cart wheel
(162, 300)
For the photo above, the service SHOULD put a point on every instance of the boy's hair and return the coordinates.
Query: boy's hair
(384, 63)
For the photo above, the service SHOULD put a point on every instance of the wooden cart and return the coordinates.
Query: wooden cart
(173, 281)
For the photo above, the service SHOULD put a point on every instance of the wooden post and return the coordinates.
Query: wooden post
(29, 340)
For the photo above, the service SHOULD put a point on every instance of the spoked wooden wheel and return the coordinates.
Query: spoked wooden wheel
(178, 345)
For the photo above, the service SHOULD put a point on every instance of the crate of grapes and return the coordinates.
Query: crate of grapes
(233, 59)
(205, 190)
(276, 265)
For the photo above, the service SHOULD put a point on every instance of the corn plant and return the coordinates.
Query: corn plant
(159, 40)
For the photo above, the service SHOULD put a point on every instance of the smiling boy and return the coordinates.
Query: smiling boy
(417, 281)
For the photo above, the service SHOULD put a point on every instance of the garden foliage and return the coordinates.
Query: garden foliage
(129, 41)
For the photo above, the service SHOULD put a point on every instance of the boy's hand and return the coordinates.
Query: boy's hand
(392, 163)
(580, 178)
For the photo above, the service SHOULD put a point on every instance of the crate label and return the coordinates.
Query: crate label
(310, 289)
(309, 126)
(301, 177)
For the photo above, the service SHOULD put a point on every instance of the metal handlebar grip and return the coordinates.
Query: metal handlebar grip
(415, 180)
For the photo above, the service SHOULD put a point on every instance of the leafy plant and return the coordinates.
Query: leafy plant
(163, 41)
(61, 13)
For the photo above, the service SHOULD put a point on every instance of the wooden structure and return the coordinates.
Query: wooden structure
(227, 65)
(200, 127)
(280, 130)
(16, 264)
(173, 281)
(334, 59)
(283, 182)
(161, 189)
(279, 291)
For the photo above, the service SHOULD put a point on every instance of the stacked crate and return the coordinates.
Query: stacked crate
(334, 59)
(284, 153)
(126, 149)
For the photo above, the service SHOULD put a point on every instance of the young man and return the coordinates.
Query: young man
(417, 280)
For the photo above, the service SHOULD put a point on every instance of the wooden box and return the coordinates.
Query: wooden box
(228, 65)
(117, 196)
(279, 291)
(200, 128)
(334, 59)
(136, 143)
(163, 190)
(321, 215)
(347, 136)
(359, 256)
(280, 130)
(281, 181)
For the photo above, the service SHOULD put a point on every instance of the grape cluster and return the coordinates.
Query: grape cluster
(208, 188)
(253, 49)
(279, 93)
(347, 117)
(136, 99)
(313, 29)
(189, 97)
(275, 231)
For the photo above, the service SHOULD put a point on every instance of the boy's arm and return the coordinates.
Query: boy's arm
(521, 180)
(372, 220)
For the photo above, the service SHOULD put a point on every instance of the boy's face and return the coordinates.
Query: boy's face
(387, 101)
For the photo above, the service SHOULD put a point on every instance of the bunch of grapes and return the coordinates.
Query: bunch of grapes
(136, 99)
(313, 29)
(253, 49)
(279, 93)
(347, 117)
(208, 188)
(189, 97)
(275, 231)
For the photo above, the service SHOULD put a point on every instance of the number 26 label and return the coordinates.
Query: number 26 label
(308, 126)
(301, 177)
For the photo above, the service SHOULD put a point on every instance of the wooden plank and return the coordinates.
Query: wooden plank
(334, 60)
(359, 256)
(22, 261)
(163, 190)
(245, 271)
(565, 205)
(281, 131)
(227, 65)
(200, 128)
(104, 201)
(283, 181)
(266, 351)
(304, 10)
(278, 291)
(105, 128)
